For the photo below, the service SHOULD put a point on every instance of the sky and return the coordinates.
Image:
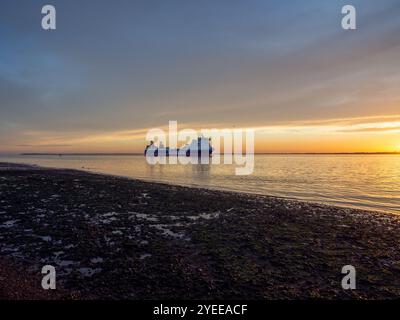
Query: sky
(112, 70)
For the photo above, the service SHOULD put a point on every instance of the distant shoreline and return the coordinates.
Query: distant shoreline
(261, 153)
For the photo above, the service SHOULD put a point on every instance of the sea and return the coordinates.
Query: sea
(364, 181)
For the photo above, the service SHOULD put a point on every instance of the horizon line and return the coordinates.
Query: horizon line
(255, 153)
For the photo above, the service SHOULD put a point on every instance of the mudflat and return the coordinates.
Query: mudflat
(119, 238)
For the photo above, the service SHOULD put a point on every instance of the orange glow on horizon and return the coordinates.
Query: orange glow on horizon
(370, 134)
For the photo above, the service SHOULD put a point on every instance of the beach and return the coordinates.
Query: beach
(118, 238)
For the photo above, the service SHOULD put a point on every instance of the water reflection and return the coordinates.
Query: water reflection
(201, 171)
(362, 181)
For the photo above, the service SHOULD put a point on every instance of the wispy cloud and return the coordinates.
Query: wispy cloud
(98, 84)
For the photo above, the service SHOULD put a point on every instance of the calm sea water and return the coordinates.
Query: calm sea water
(360, 181)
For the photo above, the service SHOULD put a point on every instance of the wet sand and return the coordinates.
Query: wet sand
(118, 238)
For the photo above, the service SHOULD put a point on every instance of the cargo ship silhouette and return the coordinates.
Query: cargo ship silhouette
(198, 147)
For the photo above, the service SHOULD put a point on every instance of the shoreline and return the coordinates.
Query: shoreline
(123, 238)
(210, 188)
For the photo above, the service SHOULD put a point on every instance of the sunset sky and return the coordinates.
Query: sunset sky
(114, 69)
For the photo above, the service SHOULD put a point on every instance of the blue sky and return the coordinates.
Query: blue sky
(115, 66)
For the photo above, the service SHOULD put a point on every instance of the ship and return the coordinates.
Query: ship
(200, 147)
